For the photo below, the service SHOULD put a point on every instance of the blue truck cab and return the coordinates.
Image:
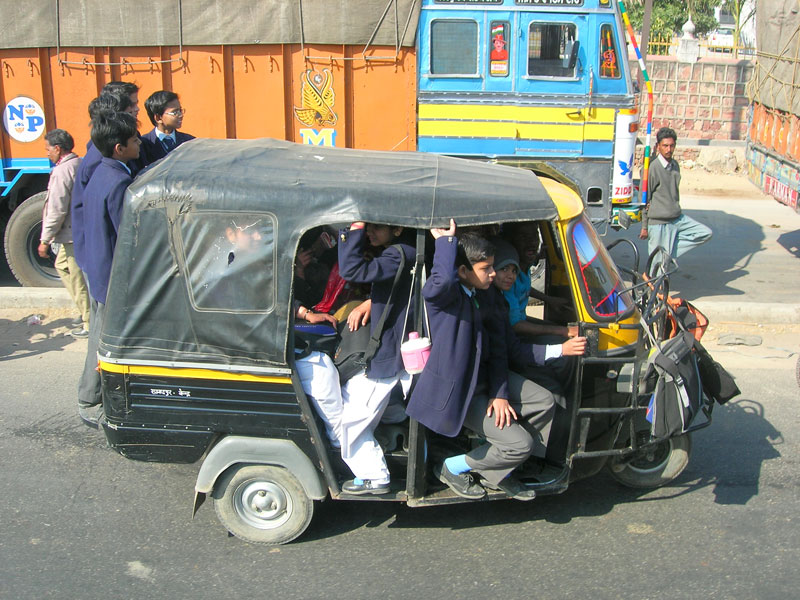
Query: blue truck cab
(540, 84)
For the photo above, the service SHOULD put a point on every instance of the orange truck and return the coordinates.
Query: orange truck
(540, 84)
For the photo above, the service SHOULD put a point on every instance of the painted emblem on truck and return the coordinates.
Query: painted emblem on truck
(317, 98)
(23, 119)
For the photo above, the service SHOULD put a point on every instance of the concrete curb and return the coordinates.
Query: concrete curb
(749, 312)
(716, 311)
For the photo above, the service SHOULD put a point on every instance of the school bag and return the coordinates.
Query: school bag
(357, 348)
(677, 392)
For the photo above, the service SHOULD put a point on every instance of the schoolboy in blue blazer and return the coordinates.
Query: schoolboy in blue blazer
(164, 110)
(366, 395)
(466, 378)
(116, 138)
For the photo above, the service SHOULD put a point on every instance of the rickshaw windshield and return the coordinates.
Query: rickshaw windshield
(599, 279)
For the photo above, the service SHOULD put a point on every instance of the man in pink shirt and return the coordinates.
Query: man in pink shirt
(57, 224)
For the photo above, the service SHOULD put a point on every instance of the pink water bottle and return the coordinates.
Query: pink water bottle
(415, 352)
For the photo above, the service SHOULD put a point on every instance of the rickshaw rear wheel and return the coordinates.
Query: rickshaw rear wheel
(657, 466)
(262, 504)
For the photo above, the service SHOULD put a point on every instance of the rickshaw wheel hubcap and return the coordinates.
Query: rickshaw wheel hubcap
(653, 459)
(263, 504)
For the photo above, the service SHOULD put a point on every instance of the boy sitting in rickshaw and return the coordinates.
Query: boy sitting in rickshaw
(466, 380)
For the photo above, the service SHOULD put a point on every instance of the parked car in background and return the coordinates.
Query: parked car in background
(721, 39)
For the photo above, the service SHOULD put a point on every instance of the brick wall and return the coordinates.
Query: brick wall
(704, 101)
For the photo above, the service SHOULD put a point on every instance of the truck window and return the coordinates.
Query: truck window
(609, 67)
(454, 47)
(547, 47)
(229, 260)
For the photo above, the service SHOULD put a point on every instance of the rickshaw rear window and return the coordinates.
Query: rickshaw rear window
(229, 260)
(598, 274)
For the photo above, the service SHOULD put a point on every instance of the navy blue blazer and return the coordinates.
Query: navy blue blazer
(102, 211)
(445, 387)
(519, 354)
(380, 272)
(154, 149)
(82, 177)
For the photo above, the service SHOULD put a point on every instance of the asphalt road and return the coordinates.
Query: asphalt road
(80, 521)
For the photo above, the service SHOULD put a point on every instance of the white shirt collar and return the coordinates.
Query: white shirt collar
(127, 168)
(664, 162)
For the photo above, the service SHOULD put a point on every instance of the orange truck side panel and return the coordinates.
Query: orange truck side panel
(315, 94)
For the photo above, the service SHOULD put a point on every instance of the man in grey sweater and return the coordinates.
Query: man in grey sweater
(663, 223)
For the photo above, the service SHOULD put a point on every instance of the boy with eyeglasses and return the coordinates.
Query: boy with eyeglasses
(165, 112)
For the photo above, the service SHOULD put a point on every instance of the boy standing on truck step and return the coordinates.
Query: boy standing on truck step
(57, 222)
(165, 112)
(466, 380)
(116, 138)
(663, 223)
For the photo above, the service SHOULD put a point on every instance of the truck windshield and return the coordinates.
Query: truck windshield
(599, 279)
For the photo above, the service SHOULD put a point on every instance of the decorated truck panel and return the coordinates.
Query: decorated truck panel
(773, 144)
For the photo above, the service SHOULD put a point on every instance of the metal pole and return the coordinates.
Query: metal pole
(645, 38)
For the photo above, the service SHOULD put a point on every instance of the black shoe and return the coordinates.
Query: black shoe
(77, 321)
(461, 484)
(365, 486)
(514, 488)
(91, 414)
(80, 333)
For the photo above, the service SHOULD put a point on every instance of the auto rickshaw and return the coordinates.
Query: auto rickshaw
(197, 349)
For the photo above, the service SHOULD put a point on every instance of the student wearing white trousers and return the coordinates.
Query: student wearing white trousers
(364, 402)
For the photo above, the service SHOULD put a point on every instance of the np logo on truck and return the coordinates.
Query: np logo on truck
(23, 119)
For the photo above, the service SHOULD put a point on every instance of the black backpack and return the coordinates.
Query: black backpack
(677, 391)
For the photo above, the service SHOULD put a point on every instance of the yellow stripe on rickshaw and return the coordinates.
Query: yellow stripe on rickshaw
(190, 373)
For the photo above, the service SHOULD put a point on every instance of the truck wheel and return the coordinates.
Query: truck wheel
(661, 464)
(262, 504)
(22, 241)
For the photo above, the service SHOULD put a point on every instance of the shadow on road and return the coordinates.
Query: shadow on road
(20, 340)
(728, 456)
(708, 270)
(791, 241)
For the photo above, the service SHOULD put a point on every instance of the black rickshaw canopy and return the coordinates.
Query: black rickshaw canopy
(203, 266)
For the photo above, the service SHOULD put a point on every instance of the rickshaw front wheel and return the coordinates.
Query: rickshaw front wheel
(262, 504)
(657, 465)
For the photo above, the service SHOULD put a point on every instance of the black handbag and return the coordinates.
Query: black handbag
(309, 338)
(356, 348)
(718, 384)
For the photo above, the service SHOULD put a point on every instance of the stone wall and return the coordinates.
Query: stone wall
(706, 100)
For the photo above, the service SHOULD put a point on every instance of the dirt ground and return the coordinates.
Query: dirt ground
(700, 182)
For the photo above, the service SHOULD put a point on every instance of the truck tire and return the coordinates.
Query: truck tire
(660, 465)
(262, 504)
(22, 241)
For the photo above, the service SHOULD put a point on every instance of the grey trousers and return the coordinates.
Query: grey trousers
(507, 448)
(89, 392)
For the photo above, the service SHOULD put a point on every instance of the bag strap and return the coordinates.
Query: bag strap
(411, 293)
(375, 336)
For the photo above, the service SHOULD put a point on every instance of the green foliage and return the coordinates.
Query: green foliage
(668, 16)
